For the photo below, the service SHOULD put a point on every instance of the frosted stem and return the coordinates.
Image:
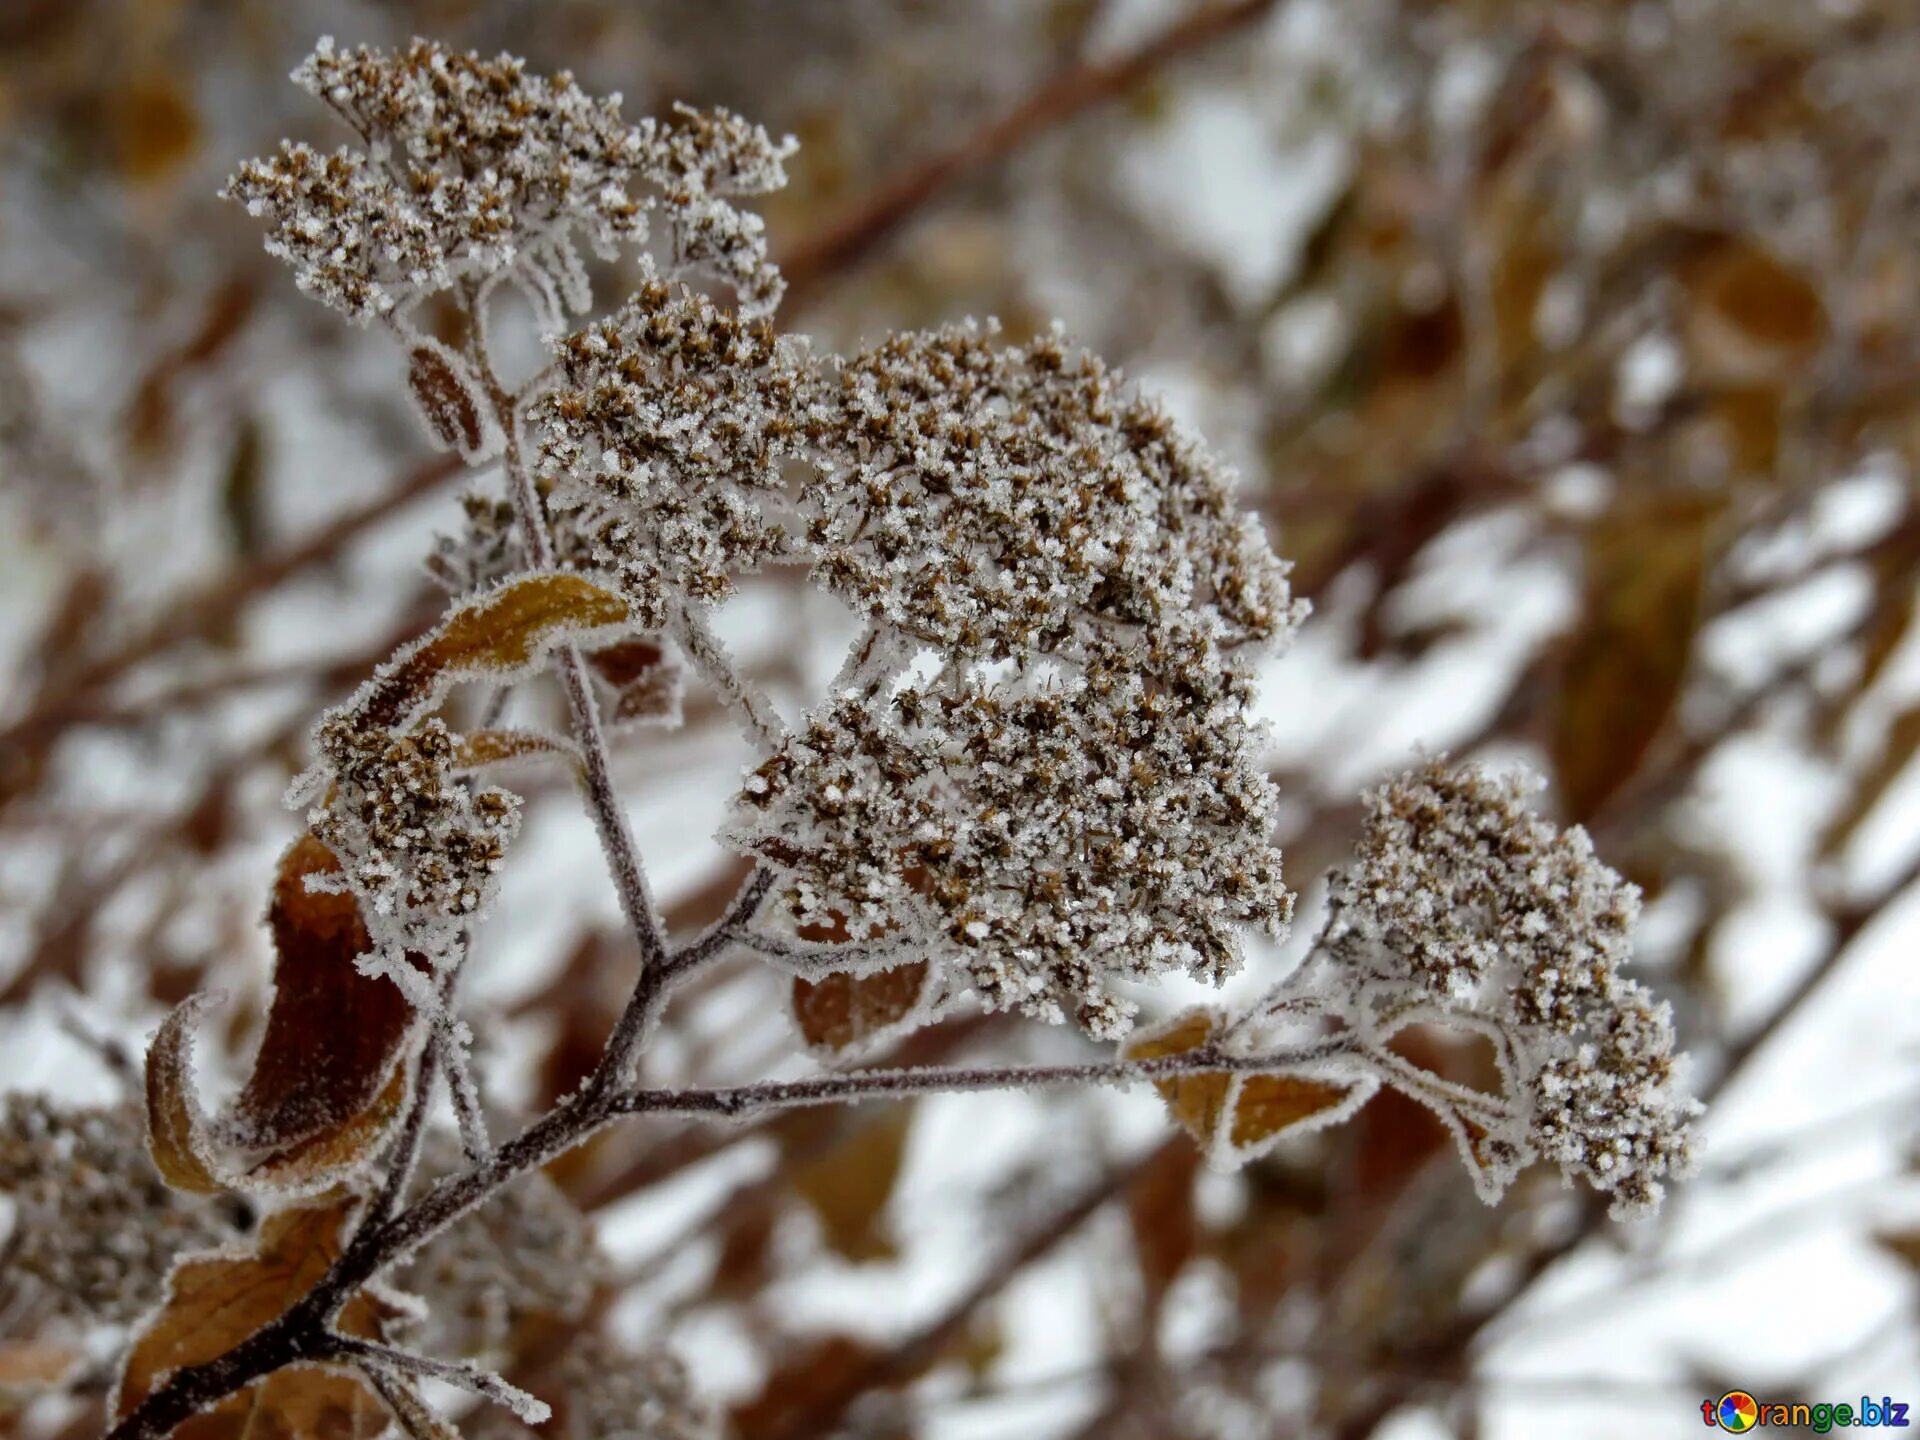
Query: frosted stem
(745, 700)
(464, 1374)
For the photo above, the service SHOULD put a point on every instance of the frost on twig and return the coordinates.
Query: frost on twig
(475, 170)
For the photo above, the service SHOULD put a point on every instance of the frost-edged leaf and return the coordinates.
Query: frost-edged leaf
(327, 1083)
(1236, 1115)
(217, 1300)
(176, 1127)
(333, 1034)
(841, 1011)
(495, 636)
(479, 748)
(451, 402)
(1645, 571)
(317, 1162)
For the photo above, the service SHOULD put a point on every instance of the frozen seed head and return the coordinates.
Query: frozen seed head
(475, 169)
(996, 500)
(1464, 896)
(96, 1229)
(420, 847)
(665, 438)
(1046, 836)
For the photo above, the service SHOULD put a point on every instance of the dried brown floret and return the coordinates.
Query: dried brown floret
(1047, 836)
(475, 169)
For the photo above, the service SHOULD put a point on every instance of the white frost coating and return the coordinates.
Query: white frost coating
(1464, 910)
(475, 170)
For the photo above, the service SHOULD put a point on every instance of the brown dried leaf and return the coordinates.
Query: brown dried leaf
(450, 400)
(213, 1303)
(1750, 318)
(493, 637)
(849, 1186)
(319, 1160)
(1160, 1205)
(1624, 669)
(842, 1011)
(1262, 1107)
(155, 127)
(478, 748)
(814, 1381)
(333, 1034)
(174, 1122)
(646, 683)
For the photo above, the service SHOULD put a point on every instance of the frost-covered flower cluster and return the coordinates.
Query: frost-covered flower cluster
(420, 847)
(1464, 905)
(613, 1394)
(665, 442)
(527, 1253)
(475, 169)
(1049, 835)
(995, 500)
(94, 1228)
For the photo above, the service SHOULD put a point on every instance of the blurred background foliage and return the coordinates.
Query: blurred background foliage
(1570, 349)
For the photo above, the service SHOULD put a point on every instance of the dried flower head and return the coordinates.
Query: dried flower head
(474, 169)
(669, 427)
(1047, 835)
(96, 1229)
(420, 847)
(1464, 900)
(615, 1394)
(526, 1253)
(997, 500)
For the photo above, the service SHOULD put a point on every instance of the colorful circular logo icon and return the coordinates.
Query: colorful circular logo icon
(1737, 1411)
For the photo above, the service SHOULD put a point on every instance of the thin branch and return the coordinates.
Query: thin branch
(843, 243)
(461, 1373)
(417, 1419)
(603, 799)
(206, 611)
(742, 699)
(301, 1333)
(740, 1101)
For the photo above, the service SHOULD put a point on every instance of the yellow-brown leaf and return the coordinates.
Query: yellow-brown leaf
(1645, 570)
(495, 636)
(215, 1302)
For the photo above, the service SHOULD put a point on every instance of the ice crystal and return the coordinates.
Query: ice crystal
(474, 169)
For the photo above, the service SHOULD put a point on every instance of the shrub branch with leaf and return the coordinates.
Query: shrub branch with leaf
(1033, 784)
